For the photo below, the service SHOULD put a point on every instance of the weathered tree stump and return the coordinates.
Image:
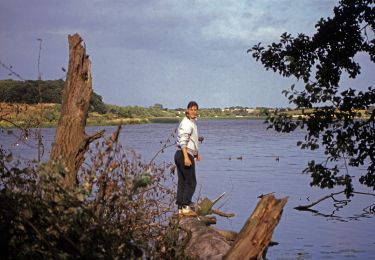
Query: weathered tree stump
(71, 142)
(252, 241)
(255, 236)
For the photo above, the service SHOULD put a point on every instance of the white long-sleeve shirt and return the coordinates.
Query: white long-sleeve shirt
(188, 136)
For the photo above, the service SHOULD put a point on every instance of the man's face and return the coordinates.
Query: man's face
(192, 112)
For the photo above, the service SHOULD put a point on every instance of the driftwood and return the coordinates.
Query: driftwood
(250, 243)
(71, 142)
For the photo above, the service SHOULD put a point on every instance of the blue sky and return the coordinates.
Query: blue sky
(167, 52)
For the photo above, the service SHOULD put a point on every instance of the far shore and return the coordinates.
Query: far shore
(120, 121)
(25, 116)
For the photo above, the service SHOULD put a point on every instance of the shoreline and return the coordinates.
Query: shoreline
(46, 115)
(120, 121)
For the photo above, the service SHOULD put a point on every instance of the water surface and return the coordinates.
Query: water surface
(243, 159)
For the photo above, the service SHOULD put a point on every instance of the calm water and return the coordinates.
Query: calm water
(347, 234)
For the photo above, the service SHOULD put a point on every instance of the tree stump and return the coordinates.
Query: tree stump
(255, 236)
(71, 142)
(252, 241)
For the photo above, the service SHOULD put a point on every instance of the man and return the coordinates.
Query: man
(187, 152)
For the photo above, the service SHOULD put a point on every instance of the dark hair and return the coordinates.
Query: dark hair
(192, 104)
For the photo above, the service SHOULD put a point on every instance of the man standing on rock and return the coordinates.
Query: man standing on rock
(187, 152)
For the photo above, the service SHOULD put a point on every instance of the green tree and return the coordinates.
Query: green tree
(157, 106)
(15, 91)
(97, 105)
(320, 62)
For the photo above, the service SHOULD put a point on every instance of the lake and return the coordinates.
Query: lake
(243, 159)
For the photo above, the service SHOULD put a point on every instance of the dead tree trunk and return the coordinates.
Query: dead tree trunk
(256, 234)
(71, 142)
(205, 242)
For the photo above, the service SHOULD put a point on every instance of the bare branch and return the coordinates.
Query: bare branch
(307, 207)
(12, 72)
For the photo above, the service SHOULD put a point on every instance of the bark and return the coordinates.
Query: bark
(205, 242)
(251, 243)
(71, 142)
(255, 236)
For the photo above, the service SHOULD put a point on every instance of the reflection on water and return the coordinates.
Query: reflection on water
(243, 159)
(338, 206)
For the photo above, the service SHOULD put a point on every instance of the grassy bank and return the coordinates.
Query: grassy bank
(47, 115)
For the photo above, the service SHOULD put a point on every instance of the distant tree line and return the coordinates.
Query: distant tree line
(156, 110)
(49, 91)
(40, 91)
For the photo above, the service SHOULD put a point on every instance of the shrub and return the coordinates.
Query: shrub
(120, 209)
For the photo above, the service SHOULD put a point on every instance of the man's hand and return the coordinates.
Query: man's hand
(187, 161)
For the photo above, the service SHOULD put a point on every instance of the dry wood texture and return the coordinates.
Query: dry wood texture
(71, 142)
(255, 236)
(252, 241)
(205, 242)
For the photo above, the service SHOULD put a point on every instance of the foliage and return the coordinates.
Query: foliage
(156, 110)
(210, 112)
(96, 104)
(128, 111)
(40, 91)
(120, 210)
(15, 91)
(320, 61)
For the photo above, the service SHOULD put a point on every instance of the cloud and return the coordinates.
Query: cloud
(266, 34)
(160, 47)
(64, 31)
(164, 25)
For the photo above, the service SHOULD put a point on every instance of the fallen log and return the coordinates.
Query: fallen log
(205, 242)
(229, 235)
(250, 243)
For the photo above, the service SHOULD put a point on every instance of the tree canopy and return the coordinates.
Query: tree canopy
(320, 62)
(40, 91)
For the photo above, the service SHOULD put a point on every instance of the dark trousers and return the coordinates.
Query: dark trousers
(186, 179)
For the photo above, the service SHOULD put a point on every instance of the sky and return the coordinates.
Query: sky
(168, 52)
